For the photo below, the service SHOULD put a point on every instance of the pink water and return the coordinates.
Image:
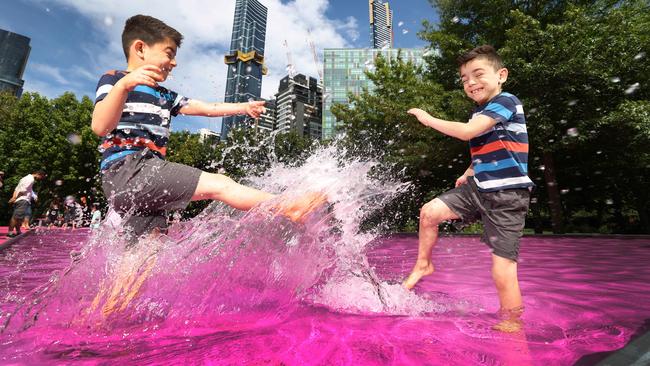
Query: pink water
(583, 297)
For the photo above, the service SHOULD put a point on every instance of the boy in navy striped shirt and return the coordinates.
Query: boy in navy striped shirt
(495, 188)
(132, 114)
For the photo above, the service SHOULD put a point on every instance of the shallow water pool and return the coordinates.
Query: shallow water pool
(584, 297)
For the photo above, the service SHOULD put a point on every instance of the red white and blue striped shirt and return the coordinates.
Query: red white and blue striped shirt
(500, 155)
(145, 119)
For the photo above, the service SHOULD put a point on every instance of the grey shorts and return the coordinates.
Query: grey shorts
(22, 210)
(142, 187)
(503, 214)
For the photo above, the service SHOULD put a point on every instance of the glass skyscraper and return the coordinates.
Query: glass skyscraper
(14, 52)
(245, 59)
(381, 24)
(344, 72)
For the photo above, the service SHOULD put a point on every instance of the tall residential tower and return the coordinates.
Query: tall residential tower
(246, 58)
(14, 52)
(381, 24)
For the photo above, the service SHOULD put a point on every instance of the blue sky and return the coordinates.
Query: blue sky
(74, 41)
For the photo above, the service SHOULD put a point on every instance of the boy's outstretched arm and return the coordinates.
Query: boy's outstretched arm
(459, 130)
(108, 111)
(200, 108)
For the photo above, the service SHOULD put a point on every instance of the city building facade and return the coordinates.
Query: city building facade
(245, 59)
(299, 106)
(14, 53)
(344, 72)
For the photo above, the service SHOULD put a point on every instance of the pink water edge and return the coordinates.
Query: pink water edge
(584, 297)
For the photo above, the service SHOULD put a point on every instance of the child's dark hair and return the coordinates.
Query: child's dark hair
(148, 29)
(486, 52)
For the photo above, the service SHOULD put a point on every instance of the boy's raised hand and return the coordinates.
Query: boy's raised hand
(255, 108)
(419, 114)
(148, 75)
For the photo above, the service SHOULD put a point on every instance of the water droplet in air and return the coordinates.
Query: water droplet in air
(108, 20)
(615, 79)
(572, 102)
(58, 182)
(400, 23)
(455, 19)
(405, 31)
(632, 88)
(639, 56)
(74, 139)
(249, 69)
(609, 201)
(573, 132)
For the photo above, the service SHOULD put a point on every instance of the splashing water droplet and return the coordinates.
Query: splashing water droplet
(615, 79)
(108, 20)
(632, 88)
(573, 132)
(455, 19)
(249, 69)
(405, 31)
(74, 139)
(572, 102)
(58, 182)
(400, 23)
(639, 56)
(609, 201)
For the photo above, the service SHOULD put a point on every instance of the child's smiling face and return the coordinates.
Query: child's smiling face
(481, 81)
(161, 54)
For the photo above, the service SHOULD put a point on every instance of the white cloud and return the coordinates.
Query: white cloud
(49, 72)
(207, 27)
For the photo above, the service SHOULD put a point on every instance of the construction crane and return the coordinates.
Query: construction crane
(291, 70)
(315, 55)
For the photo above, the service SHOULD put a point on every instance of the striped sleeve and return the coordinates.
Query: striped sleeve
(179, 102)
(501, 108)
(105, 85)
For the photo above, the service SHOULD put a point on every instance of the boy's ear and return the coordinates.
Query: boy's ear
(137, 47)
(503, 75)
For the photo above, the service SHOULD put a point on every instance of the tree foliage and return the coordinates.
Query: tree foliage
(581, 70)
(53, 135)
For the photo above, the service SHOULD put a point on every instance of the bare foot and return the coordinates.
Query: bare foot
(508, 325)
(422, 268)
(297, 210)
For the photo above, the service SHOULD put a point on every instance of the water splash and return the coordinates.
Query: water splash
(226, 262)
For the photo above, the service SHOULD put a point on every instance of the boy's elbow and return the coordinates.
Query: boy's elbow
(98, 129)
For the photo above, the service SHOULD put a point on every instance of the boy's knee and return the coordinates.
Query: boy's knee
(431, 213)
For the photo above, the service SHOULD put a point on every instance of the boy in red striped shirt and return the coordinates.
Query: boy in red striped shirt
(495, 188)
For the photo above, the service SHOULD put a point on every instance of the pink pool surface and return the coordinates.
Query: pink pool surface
(585, 297)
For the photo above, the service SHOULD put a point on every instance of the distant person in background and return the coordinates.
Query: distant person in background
(53, 214)
(96, 217)
(85, 212)
(2, 177)
(71, 212)
(22, 201)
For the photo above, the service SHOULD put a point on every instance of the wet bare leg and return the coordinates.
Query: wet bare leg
(504, 274)
(221, 188)
(431, 214)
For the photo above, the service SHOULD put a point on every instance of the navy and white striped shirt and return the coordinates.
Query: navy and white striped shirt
(145, 119)
(500, 155)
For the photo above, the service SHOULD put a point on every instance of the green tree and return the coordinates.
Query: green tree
(571, 63)
(54, 135)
